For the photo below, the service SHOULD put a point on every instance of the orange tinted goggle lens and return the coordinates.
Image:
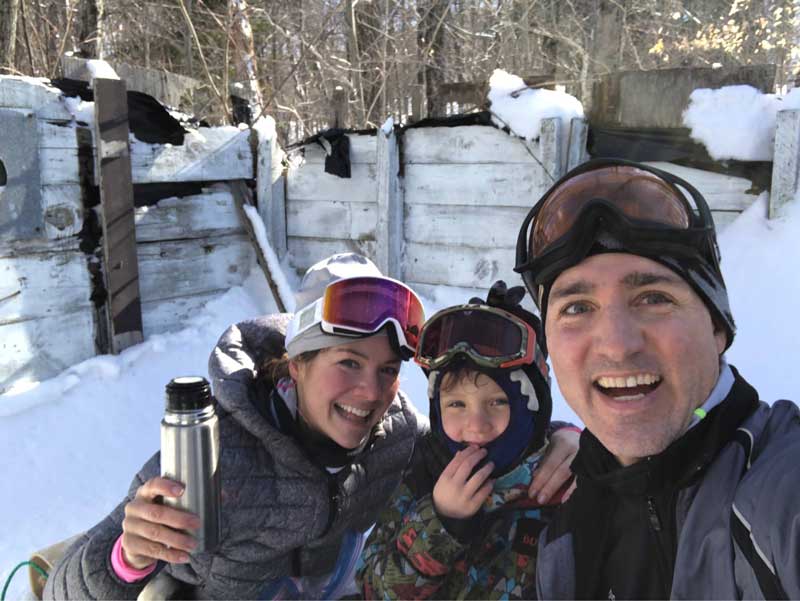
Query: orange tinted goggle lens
(635, 193)
(364, 304)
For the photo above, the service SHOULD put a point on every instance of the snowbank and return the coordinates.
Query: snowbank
(522, 110)
(736, 122)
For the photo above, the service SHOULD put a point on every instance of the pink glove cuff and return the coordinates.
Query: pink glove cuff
(123, 571)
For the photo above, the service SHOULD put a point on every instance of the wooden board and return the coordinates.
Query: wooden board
(219, 155)
(466, 144)
(307, 251)
(459, 265)
(310, 182)
(174, 314)
(113, 167)
(331, 219)
(722, 192)
(474, 226)
(362, 150)
(38, 349)
(16, 92)
(480, 184)
(199, 216)
(63, 210)
(176, 268)
(42, 284)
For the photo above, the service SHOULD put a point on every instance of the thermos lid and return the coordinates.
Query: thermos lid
(188, 393)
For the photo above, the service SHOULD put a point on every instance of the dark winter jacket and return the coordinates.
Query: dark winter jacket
(282, 515)
(414, 553)
(664, 527)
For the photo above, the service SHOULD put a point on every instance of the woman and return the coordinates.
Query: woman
(314, 437)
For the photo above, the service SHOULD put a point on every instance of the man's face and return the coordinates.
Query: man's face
(634, 350)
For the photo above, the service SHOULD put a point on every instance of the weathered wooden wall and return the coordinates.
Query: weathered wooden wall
(190, 249)
(325, 213)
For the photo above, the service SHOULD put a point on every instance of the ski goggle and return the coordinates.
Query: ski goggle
(363, 305)
(641, 206)
(489, 336)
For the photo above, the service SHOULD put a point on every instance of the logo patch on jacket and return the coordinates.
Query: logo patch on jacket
(527, 537)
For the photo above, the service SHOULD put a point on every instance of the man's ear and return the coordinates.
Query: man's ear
(721, 337)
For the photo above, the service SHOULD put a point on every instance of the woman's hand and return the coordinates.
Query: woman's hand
(150, 532)
(553, 471)
(455, 494)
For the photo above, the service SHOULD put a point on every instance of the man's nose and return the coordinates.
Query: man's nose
(618, 334)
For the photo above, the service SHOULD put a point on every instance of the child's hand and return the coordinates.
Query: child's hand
(456, 495)
(553, 471)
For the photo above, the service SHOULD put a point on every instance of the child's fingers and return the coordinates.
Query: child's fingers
(468, 463)
(480, 496)
(451, 468)
(478, 479)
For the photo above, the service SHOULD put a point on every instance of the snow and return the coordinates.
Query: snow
(275, 269)
(72, 444)
(737, 122)
(79, 109)
(100, 69)
(522, 109)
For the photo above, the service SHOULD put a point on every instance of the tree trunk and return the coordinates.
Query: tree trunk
(9, 9)
(430, 40)
(244, 58)
(89, 28)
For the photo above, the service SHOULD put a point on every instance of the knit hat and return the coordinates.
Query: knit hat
(312, 287)
(527, 389)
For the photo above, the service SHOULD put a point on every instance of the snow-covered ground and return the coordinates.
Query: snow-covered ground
(71, 445)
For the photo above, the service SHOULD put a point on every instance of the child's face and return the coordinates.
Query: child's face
(474, 410)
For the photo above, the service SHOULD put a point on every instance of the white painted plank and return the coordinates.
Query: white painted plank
(63, 210)
(722, 192)
(208, 214)
(466, 144)
(310, 182)
(459, 265)
(43, 284)
(474, 226)
(58, 135)
(173, 269)
(480, 184)
(553, 150)
(18, 92)
(270, 194)
(38, 349)
(576, 143)
(331, 219)
(307, 251)
(152, 163)
(362, 150)
(786, 165)
(215, 154)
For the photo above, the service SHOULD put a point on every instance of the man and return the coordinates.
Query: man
(688, 485)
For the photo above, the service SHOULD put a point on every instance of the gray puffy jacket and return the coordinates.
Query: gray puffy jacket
(281, 514)
(708, 564)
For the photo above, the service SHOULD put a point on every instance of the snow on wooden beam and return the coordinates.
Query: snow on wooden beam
(786, 162)
(35, 94)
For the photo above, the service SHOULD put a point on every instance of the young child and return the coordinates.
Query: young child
(462, 524)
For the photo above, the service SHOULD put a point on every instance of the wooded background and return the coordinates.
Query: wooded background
(299, 59)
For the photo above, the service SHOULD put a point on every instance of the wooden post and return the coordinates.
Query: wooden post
(786, 162)
(340, 108)
(113, 165)
(270, 186)
(550, 143)
(576, 144)
(389, 230)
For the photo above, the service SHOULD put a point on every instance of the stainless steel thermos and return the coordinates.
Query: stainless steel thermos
(190, 453)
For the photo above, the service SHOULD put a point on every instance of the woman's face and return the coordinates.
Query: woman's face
(345, 390)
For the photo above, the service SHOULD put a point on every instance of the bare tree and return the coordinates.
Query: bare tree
(9, 11)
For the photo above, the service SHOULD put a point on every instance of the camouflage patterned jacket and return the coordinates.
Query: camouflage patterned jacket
(413, 553)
